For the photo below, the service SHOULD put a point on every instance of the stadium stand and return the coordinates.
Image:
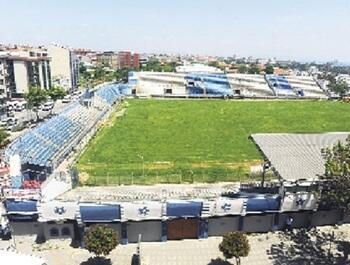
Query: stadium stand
(218, 85)
(208, 84)
(250, 85)
(280, 85)
(45, 147)
(305, 86)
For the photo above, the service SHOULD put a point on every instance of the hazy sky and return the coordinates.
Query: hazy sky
(287, 29)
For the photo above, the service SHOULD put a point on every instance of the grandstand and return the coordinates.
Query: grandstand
(250, 85)
(281, 86)
(220, 85)
(307, 85)
(208, 84)
(45, 147)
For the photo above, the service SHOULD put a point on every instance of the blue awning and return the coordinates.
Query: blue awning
(263, 204)
(28, 207)
(100, 213)
(184, 209)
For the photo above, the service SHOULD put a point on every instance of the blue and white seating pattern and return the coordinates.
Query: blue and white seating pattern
(109, 93)
(280, 85)
(208, 84)
(48, 144)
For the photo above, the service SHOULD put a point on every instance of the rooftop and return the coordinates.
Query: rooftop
(297, 156)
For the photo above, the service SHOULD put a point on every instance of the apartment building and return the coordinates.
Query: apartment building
(21, 69)
(128, 60)
(64, 66)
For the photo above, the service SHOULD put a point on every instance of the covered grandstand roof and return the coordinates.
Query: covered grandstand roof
(297, 156)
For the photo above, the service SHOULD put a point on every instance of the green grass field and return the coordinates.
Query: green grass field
(173, 141)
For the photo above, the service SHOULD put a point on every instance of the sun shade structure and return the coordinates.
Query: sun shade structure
(21, 207)
(57, 211)
(100, 213)
(225, 206)
(139, 211)
(184, 209)
(297, 156)
(18, 210)
(263, 204)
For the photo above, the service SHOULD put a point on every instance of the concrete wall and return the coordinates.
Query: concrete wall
(25, 228)
(325, 217)
(117, 227)
(300, 219)
(258, 223)
(46, 230)
(150, 231)
(221, 225)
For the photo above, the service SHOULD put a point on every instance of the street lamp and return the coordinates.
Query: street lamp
(143, 164)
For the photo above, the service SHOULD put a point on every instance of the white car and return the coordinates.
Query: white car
(47, 106)
(66, 99)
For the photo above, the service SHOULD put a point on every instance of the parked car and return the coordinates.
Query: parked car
(66, 99)
(47, 106)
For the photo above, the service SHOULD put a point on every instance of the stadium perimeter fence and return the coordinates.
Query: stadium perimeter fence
(174, 176)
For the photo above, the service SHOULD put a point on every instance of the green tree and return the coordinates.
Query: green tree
(336, 186)
(35, 97)
(339, 87)
(100, 239)
(242, 69)
(269, 69)
(3, 138)
(253, 70)
(235, 244)
(56, 93)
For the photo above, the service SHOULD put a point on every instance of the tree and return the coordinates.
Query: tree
(253, 70)
(269, 69)
(235, 244)
(3, 137)
(242, 69)
(336, 186)
(56, 93)
(339, 87)
(35, 97)
(101, 239)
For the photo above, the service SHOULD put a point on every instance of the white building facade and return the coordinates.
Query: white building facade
(64, 67)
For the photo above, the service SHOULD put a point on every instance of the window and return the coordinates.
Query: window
(65, 231)
(54, 232)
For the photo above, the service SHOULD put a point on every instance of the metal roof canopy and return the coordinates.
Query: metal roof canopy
(297, 156)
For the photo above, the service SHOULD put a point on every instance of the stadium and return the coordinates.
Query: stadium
(176, 129)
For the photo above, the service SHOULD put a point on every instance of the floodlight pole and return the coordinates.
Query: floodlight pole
(143, 164)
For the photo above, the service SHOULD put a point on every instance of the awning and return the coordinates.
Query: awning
(263, 204)
(184, 209)
(142, 211)
(228, 207)
(25, 207)
(293, 202)
(102, 213)
(56, 211)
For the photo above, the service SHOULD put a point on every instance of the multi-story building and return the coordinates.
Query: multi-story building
(21, 69)
(128, 60)
(107, 59)
(64, 67)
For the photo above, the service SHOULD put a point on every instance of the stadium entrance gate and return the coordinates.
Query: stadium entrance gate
(183, 229)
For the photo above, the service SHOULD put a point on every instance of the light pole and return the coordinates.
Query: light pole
(143, 165)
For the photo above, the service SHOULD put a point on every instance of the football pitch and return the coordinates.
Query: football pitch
(180, 141)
